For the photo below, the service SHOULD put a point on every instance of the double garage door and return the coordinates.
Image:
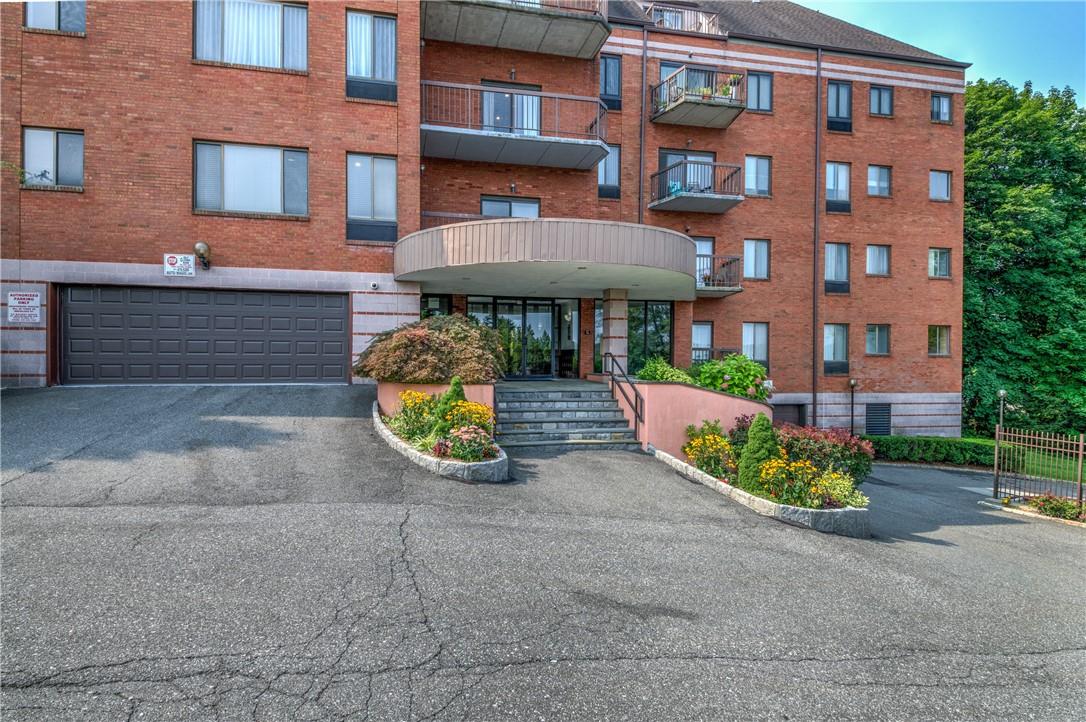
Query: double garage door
(129, 335)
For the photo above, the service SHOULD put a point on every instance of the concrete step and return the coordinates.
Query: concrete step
(597, 434)
(520, 395)
(505, 424)
(543, 404)
(519, 416)
(571, 445)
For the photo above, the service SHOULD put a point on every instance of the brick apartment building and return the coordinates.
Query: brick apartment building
(677, 179)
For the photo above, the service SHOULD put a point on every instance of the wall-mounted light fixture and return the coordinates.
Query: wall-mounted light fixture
(203, 252)
(512, 187)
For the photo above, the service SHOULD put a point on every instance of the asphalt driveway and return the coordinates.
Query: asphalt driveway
(258, 553)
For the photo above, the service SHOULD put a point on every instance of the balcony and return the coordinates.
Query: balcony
(496, 124)
(702, 98)
(696, 186)
(701, 355)
(718, 275)
(571, 28)
(689, 20)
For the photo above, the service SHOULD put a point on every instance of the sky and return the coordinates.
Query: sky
(1018, 41)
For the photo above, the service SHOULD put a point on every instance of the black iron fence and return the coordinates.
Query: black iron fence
(1036, 463)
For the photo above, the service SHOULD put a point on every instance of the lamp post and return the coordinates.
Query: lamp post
(852, 406)
(1002, 400)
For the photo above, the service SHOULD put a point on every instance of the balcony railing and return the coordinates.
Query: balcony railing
(593, 7)
(696, 185)
(690, 20)
(719, 272)
(701, 355)
(718, 87)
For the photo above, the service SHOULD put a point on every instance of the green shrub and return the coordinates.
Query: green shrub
(738, 435)
(761, 446)
(443, 410)
(709, 450)
(657, 369)
(416, 417)
(934, 449)
(432, 351)
(1058, 507)
(735, 374)
(828, 449)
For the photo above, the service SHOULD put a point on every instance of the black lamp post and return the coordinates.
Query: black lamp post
(852, 406)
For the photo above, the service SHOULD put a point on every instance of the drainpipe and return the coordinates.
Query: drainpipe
(815, 239)
(641, 144)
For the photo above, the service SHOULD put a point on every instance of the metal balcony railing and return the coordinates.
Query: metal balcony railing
(593, 7)
(690, 20)
(697, 177)
(698, 84)
(524, 113)
(719, 271)
(701, 355)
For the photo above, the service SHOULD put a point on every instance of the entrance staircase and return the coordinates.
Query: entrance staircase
(560, 415)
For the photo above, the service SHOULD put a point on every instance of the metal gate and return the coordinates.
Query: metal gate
(1035, 463)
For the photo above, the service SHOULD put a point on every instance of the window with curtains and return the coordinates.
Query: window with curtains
(839, 106)
(838, 199)
(69, 16)
(52, 157)
(507, 111)
(371, 56)
(939, 185)
(878, 339)
(756, 342)
(609, 169)
(611, 81)
(938, 340)
(757, 175)
(882, 100)
(371, 198)
(251, 32)
(940, 108)
(835, 348)
(251, 179)
(837, 268)
(755, 259)
(760, 91)
(878, 260)
(939, 262)
(878, 180)
(701, 341)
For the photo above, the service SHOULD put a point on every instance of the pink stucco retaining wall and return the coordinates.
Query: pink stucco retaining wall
(670, 408)
(388, 394)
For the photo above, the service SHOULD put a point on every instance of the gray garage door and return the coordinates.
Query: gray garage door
(115, 334)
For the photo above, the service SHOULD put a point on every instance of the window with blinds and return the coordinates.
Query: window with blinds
(251, 179)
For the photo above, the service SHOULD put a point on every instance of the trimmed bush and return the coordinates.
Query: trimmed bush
(828, 449)
(1052, 505)
(934, 450)
(761, 446)
(443, 409)
(735, 374)
(658, 369)
(433, 351)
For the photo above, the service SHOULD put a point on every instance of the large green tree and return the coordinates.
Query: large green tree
(1025, 257)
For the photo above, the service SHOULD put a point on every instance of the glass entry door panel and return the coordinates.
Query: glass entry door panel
(538, 338)
(510, 325)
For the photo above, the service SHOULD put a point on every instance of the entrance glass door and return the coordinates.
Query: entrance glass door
(510, 325)
(528, 328)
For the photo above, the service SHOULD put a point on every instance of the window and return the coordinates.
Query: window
(938, 340)
(839, 106)
(497, 207)
(507, 111)
(876, 419)
(611, 81)
(706, 274)
(755, 259)
(835, 348)
(701, 341)
(939, 262)
(251, 179)
(878, 339)
(608, 170)
(371, 56)
(757, 175)
(837, 268)
(695, 175)
(760, 91)
(371, 198)
(940, 108)
(68, 17)
(435, 305)
(878, 180)
(251, 32)
(671, 18)
(878, 260)
(790, 414)
(837, 191)
(882, 100)
(939, 185)
(52, 157)
(756, 342)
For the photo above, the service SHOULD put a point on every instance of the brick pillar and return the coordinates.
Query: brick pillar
(680, 333)
(614, 340)
(587, 341)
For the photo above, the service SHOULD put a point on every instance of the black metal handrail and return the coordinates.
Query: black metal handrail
(610, 365)
(696, 176)
(719, 85)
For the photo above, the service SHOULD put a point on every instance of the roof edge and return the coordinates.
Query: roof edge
(853, 51)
